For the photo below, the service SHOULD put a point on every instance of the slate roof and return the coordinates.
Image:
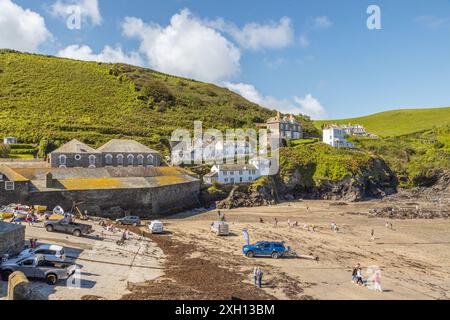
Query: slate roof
(237, 167)
(125, 146)
(75, 146)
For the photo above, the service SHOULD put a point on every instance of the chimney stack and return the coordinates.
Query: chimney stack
(48, 180)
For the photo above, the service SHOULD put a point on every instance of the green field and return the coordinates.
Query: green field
(399, 122)
(47, 97)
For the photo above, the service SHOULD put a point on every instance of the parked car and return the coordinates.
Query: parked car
(129, 221)
(156, 227)
(221, 228)
(66, 226)
(265, 249)
(50, 252)
(37, 267)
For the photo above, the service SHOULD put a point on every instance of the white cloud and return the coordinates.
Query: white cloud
(257, 36)
(186, 47)
(89, 9)
(322, 22)
(108, 54)
(311, 107)
(308, 105)
(21, 29)
(248, 91)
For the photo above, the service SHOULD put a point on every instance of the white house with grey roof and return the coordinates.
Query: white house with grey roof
(115, 153)
(238, 173)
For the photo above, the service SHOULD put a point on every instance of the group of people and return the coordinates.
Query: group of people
(357, 275)
(257, 276)
(30, 218)
(357, 278)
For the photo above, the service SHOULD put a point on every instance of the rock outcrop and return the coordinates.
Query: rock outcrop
(375, 181)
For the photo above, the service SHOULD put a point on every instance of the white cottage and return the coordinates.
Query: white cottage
(238, 173)
(334, 136)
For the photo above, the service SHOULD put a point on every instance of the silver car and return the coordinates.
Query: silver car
(38, 268)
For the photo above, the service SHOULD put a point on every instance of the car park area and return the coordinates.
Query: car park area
(103, 268)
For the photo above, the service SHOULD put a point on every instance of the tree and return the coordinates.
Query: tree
(45, 147)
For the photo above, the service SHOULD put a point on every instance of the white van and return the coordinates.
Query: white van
(156, 227)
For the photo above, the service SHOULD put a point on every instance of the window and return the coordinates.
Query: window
(130, 159)
(240, 179)
(62, 160)
(226, 180)
(9, 185)
(28, 262)
(240, 172)
(92, 160)
(120, 160)
(108, 159)
(78, 157)
(140, 160)
(150, 160)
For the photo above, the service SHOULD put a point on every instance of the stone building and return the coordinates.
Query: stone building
(286, 127)
(115, 153)
(128, 153)
(12, 238)
(75, 154)
(143, 190)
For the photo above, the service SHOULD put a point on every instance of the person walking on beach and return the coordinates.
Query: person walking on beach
(276, 222)
(355, 273)
(372, 235)
(260, 276)
(255, 275)
(377, 282)
(359, 278)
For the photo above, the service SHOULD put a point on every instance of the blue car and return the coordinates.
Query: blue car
(265, 249)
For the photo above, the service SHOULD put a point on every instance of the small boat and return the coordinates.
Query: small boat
(19, 214)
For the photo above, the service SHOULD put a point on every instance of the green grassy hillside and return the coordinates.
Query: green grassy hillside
(417, 159)
(399, 122)
(48, 97)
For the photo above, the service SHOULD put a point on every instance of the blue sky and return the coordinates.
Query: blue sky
(316, 57)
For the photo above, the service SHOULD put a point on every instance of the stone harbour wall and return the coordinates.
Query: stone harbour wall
(12, 238)
(144, 202)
